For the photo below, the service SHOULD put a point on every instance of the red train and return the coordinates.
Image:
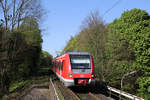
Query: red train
(74, 68)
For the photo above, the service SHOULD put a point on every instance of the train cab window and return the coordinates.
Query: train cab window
(80, 61)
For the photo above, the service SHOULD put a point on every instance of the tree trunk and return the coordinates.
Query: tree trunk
(13, 18)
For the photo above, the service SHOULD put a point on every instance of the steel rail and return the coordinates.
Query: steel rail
(67, 90)
(125, 94)
(54, 89)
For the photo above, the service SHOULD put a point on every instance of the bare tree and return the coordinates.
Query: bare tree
(93, 34)
(5, 9)
(15, 11)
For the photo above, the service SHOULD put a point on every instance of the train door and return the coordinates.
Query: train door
(61, 67)
(57, 67)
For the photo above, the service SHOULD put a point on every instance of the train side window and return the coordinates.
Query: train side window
(57, 64)
(61, 65)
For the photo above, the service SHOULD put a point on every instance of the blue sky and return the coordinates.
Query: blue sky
(64, 17)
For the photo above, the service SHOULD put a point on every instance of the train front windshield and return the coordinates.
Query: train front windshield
(80, 61)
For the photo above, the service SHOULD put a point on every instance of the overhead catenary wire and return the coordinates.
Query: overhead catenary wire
(114, 5)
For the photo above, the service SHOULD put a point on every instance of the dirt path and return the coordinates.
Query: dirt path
(37, 94)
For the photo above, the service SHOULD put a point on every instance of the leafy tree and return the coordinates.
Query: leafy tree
(46, 59)
(20, 53)
(119, 56)
(32, 33)
(16, 46)
(129, 45)
(20, 41)
(93, 37)
(139, 39)
(4, 78)
(71, 45)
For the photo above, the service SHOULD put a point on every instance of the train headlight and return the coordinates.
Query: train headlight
(92, 75)
(70, 75)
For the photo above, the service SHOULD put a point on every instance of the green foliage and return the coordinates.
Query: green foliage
(144, 85)
(19, 85)
(31, 31)
(46, 59)
(4, 76)
(20, 57)
(15, 49)
(71, 45)
(139, 42)
(20, 44)
(24, 48)
(129, 45)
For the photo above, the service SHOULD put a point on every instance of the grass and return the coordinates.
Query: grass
(16, 86)
(19, 85)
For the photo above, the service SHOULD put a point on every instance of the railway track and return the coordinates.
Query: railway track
(66, 92)
(63, 92)
(90, 93)
(70, 95)
(96, 92)
(87, 96)
(79, 92)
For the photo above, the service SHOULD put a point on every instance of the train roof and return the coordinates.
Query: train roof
(77, 53)
(72, 53)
